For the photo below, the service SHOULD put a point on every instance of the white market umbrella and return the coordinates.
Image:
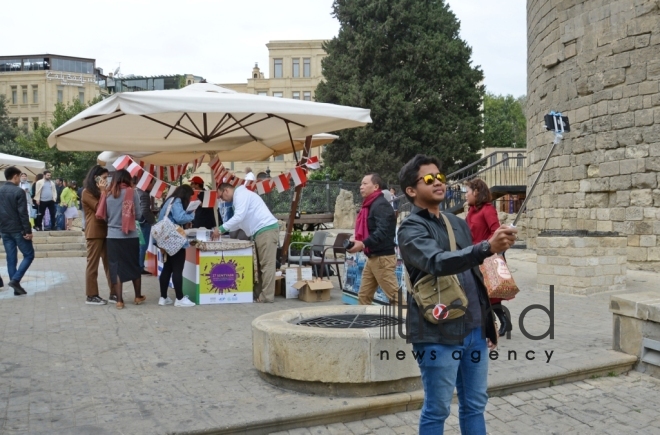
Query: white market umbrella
(29, 166)
(252, 151)
(201, 118)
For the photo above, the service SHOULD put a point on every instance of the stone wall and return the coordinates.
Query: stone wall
(598, 62)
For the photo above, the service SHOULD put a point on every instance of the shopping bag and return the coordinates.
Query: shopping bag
(498, 279)
(167, 235)
(140, 235)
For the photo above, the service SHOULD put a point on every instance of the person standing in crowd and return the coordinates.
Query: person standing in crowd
(45, 195)
(375, 229)
(483, 222)
(80, 207)
(204, 216)
(174, 209)
(15, 229)
(69, 203)
(96, 231)
(59, 222)
(34, 185)
(249, 175)
(147, 221)
(120, 207)
(425, 249)
(27, 186)
(253, 217)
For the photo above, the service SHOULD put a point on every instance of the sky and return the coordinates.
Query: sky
(221, 40)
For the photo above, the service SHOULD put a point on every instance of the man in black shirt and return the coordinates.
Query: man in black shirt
(15, 228)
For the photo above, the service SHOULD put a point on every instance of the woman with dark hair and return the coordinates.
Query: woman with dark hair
(120, 207)
(96, 231)
(174, 209)
(483, 222)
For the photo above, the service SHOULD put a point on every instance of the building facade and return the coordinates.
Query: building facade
(294, 72)
(34, 84)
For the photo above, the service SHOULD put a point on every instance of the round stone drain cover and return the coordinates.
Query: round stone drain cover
(351, 321)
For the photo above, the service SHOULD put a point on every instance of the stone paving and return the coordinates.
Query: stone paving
(66, 367)
(626, 404)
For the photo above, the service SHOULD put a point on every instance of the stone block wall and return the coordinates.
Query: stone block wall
(581, 265)
(598, 62)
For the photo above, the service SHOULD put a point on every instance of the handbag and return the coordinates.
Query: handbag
(439, 297)
(167, 235)
(140, 235)
(498, 279)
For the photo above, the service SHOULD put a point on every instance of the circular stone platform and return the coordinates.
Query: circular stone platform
(339, 361)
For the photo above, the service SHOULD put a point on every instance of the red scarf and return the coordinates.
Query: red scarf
(127, 209)
(361, 227)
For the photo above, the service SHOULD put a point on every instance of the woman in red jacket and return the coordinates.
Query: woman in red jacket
(483, 221)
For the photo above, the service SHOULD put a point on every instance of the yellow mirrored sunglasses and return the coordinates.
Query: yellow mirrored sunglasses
(429, 179)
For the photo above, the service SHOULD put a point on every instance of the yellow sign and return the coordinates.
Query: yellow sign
(225, 274)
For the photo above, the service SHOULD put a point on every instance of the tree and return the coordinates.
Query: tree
(34, 144)
(7, 131)
(404, 60)
(505, 125)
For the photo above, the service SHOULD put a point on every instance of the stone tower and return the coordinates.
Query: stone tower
(598, 62)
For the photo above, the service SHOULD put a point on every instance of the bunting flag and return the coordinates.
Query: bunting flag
(213, 164)
(298, 176)
(210, 198)
(313, 163)
(264, 187)
(170, 190)
(134, 169)
(251, 185)
(158, 189)
(146, 178)
(195, 195)
(122, 162)
(172, 173)
(160, 172)
(282, 182)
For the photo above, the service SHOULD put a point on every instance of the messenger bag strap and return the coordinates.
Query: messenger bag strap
(450, 232)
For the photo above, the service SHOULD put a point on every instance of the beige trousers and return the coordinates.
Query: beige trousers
(379, 271)
(96, 252)
(266, 247)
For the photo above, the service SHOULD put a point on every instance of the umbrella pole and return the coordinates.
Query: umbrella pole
(215, 189)
(294, 205)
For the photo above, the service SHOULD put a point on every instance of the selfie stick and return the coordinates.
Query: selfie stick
(559, 134)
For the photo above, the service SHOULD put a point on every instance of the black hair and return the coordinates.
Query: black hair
(224, 186)
(11, 172)
(378, 180)
(184, 193)
(409, 174)
(90, 181)
(47, 172)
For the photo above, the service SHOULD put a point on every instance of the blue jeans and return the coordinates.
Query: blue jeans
(11, 241)
(444, 367)
(146, 231)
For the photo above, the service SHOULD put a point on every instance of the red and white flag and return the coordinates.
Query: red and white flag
(158, 189)
(313, 163)
(235, 181)
(134, 169)
(122, 162)
(172, 173)
(264, 187)
(159, 172)
(170, 190)
(210, 198)
(282, 182)
(146, 178)
(215, 163)
(251, 185)
(195, 195)
(150, 168)
(220, 175)
(298, 176)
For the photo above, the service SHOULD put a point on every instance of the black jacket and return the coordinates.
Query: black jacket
(145, 206)
(204, 217)
(424, 246)
(382, 228)
(14, 216)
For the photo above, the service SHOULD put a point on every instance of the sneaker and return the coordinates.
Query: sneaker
(95, 300)
(18, 289)
(165, 301)
(112, 299)
(184, 302)
(145, 272)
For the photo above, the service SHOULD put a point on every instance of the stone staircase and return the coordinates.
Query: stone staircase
(56, 244)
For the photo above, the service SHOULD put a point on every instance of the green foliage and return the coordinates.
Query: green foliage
(297, 236)
(404, 60)
(34, 144)
(505, 125)
(320, 174)
(7, 131)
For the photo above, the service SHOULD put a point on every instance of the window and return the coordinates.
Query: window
(278, 68)
(60, 94)
(189, 82)
(81, 95)
(296, 95)
(14, 95)
(14, 122)
(35, 94)
(278, 94)
(307, 67)
(296, 67)
(35, 123)
(24, 121)
(279, 158)
(262, 93)
(505, 159)
(520, 159)
(24, 92)
(307, 96)
(493, 159)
